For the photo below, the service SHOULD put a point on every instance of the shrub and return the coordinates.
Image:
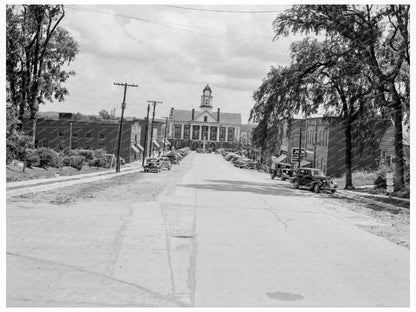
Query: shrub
(98, 153)
(16, 145)
(66, 161)
(31, 158)
(88, 154)
(48, 157)
(96, 162)
(77, 162)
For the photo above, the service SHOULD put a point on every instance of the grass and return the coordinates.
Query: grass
(359, 179)
(15, 173)
(363, 178)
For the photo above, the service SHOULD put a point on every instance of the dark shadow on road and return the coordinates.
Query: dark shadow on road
(251, 187)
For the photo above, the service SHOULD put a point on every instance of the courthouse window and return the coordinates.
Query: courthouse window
(195, 132)
(213, 133)
(186, 131)
(230, 134)
(178, 129)
(222, 134)
(205, 132)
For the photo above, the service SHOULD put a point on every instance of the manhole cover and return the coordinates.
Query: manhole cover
(183, 236)
(284, 296)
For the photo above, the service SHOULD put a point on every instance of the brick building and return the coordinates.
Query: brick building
(322, 144)
(67, 132)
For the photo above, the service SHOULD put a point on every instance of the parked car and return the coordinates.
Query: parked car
(229, 156)
(251, 164)
(153, 165)
(286, 174)
(165, 163)
(236, 158)
(277, 168)
(241, 162)
(314, 179)
(173, 158)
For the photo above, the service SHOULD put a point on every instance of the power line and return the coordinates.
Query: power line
(221, 11)
(178, 27)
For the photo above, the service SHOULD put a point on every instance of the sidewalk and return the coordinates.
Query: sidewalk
(45, 184)
(376, 199)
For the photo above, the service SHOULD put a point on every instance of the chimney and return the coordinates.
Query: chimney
(218, 115)
(171, 111)
(193, 114)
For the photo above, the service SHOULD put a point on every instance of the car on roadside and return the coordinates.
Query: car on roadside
(153, 165)
(286, 174)
(165, 162)
(314, 179)
(251, 164)
(241, 162)
(236, 158)
(277, 168)
(173, 158)
(229, 156)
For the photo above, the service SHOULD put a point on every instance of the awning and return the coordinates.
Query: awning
(281, 158)
(305, 162)
(167, 142)
(156, 144)
(140, 147)
(136, 149)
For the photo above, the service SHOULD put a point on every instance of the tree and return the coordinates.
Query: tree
(281, 96)
(380, 36)
(337, 83)
(104, 114)
(37, 50)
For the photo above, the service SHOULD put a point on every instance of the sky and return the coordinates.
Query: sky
(171, 53)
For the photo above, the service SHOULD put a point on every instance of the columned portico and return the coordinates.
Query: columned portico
(216, 127)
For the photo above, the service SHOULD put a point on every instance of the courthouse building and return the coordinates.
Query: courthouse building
(204, 128)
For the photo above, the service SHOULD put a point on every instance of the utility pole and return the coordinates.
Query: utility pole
(164, 138)
(314, 146)
(146, 135)
(123, 106)
(151, 127)
(300, 142)
(70, 137)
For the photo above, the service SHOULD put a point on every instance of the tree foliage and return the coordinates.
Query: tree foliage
(378, 38)
(38, 52)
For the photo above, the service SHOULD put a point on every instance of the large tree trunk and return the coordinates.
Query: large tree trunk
(398, 141)
(348, 158)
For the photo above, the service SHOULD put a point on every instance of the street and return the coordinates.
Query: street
(213, 236)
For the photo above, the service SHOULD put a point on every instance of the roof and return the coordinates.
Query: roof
(207, 87)
(247, 127)
(186, 115)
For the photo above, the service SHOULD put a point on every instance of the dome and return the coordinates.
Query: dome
(207, 88)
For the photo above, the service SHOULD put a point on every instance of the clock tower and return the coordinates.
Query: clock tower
(206, 99)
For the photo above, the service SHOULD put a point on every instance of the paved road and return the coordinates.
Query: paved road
(223, 236)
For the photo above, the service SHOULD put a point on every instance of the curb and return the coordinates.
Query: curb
(33, 182)
(363, 198)
(50, 186)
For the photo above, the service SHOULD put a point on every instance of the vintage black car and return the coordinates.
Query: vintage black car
(153, 165)
(314, 179)
(286, 174)
(277, 170)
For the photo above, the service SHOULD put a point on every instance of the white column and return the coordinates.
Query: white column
(182, 129)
